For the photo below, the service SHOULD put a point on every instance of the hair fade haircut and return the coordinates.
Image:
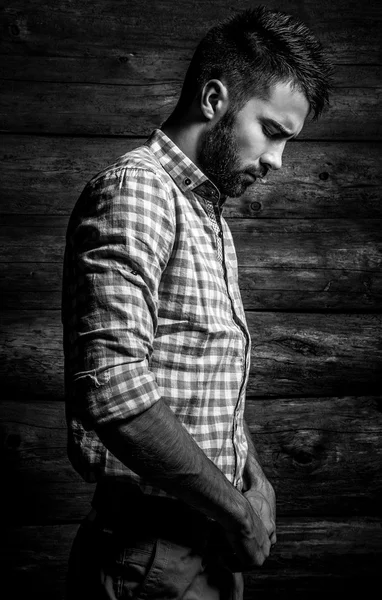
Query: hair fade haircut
(255, 49)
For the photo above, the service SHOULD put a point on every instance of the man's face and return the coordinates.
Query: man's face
(240, 148)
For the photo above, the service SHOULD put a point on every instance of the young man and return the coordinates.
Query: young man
(156, 345)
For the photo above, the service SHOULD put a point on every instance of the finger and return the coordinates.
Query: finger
(267, 548)
(271, 529)
(273, 526)
(270, 526)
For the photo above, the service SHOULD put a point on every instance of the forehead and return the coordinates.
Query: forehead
(285, 104)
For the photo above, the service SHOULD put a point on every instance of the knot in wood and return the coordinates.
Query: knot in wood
(324, 176)
(302, 347)
(306, 449)
(255, 206)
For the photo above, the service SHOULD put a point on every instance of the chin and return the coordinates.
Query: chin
(235, 191)
(233, 187)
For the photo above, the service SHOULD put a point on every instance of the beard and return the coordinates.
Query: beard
(218, 158)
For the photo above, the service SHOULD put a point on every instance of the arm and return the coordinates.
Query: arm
(120, 245)
(258, 489)
(174, 462)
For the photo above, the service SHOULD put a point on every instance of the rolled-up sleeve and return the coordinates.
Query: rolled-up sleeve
(119, 240)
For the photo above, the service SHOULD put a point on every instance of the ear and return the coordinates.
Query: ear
(214, 99)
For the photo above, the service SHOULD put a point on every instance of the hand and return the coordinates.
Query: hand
(250, 547)
(263, 501)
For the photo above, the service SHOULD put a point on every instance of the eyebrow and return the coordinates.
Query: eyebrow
(284, 132)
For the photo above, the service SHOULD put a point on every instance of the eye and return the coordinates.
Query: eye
(269, 133)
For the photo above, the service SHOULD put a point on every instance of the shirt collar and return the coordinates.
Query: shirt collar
(187, 176)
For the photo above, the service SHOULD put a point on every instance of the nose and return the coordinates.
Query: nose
(272, 158)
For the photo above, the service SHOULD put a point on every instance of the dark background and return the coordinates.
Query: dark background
(84, 81)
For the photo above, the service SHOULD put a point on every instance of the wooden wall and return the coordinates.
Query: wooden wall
(84, 81)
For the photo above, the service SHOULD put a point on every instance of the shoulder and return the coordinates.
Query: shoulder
(133, 189)
(139, 164)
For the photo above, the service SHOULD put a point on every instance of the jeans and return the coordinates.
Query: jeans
(130, 563)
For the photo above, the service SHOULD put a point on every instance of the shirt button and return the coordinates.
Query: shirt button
(187, 181)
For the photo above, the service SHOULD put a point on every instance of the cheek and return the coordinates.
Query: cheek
(251, 143)
(251, 150)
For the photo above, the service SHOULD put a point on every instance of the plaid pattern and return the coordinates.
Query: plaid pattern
(151, 309)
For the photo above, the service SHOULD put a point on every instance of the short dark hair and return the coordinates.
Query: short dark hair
(255, 49)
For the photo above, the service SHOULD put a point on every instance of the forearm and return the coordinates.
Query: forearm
(155, 445)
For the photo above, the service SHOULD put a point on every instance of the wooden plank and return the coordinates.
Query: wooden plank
(322, 455)
(33, 238)
(302, 243)
(284, 264)
(42, 485)
(314, 354)
(45, 175)
(311, 557)
(83, 109)
(267, 243)
(305, 289)
(30, 286)
(292, 354)
(147, 65)
(31, 277)
(105, 28)
(31, 345)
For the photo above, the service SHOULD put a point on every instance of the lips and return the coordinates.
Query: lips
(261, 177)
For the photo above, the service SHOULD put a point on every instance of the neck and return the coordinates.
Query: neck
(186, 135)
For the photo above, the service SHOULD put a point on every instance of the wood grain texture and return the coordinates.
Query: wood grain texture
(316, 558)
(351, 33)
(301, 354)
(284, 264)
(292, 354)
(302, 243)
(32, 238)
(82, 82)
(308, 289)
(322, 455)
(312, 557)
(143, 66)
(45, 175)
(37, 285)
(286, 243)
(84, 109)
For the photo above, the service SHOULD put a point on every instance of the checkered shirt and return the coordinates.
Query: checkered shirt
(151, 309)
